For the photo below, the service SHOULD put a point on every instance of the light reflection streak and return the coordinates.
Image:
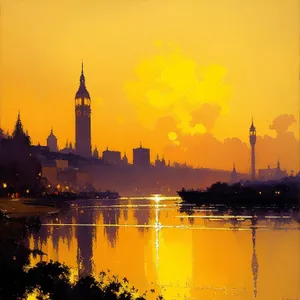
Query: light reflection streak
(151, 198)
(233, 217)
(112, 206)
(159, 226)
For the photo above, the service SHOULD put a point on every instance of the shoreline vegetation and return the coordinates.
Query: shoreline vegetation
(284, 193)
(50, 280)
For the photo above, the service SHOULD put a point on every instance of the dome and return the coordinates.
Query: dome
(52, 136)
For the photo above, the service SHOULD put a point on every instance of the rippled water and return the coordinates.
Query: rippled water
(181, 253)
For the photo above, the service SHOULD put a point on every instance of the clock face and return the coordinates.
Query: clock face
(78, 113)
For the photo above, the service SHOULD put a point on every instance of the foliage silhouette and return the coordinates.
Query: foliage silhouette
(49, 280)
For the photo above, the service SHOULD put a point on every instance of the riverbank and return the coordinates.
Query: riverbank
(16, 208)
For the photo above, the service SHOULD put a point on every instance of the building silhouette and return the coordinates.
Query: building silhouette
(96, 153)
(83, 119)
(141, 156)
(272, 173)
(252, 139)
(52, 142)
(111, 157)
(160, 163)
(125, 159)
(68, 148)
(234, 176)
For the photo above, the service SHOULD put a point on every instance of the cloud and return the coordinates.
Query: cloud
(177, 104)
(171, 84)
(206, 115)
(207, 151)
(282, 123)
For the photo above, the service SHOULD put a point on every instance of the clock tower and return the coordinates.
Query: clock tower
(83, 119)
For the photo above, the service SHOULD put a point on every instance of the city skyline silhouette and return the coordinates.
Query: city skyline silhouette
(187, 100)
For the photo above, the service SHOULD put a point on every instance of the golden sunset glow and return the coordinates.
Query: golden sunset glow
(154, 246)
(182, 76)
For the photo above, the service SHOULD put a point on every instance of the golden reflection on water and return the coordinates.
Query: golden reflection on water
(202, 256)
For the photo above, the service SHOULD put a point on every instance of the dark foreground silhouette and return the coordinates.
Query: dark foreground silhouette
(283, 194)
(49, 280)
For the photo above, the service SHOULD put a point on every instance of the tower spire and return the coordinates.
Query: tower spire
(252, 139)
(83, 118)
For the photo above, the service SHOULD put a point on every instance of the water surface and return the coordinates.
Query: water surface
(181, 253)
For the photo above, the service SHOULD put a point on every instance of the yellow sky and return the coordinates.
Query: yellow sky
(146, 60)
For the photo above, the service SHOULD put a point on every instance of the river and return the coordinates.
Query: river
(203, 255)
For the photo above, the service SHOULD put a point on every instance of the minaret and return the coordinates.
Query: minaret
(83, 119)
(252, 139)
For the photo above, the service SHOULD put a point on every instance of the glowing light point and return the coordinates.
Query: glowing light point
(172, 136)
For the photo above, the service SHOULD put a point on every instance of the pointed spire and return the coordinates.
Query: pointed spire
(82, 91)
(140, 144)
(252, 127)
(82, 78)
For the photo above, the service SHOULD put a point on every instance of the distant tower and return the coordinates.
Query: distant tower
(96, 153)
(278, 165)
(252, 138)
(233, 174)
(157, 161)
(125, 159)
(83, 119)
(141, 156)
(52, 142)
